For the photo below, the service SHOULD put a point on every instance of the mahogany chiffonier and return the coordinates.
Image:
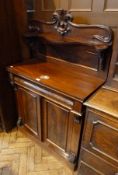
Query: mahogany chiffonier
(69, 62)
(99, 150)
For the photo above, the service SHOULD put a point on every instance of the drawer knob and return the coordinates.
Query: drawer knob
(72, 158)
(19, 122)
(77, 119)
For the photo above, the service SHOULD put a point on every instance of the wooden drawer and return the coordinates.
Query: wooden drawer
(91, 164)
(50, 94)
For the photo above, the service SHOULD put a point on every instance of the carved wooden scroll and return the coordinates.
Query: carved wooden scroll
(62, 22)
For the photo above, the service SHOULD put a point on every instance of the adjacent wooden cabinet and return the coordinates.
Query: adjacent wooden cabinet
(99, 151)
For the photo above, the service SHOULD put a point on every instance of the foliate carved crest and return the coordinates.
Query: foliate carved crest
(62, 22)
(62, 19)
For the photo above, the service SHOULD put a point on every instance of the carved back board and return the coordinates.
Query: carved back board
(60, 39)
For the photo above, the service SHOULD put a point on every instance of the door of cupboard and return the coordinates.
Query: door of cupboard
(29, 110)
(61, 130)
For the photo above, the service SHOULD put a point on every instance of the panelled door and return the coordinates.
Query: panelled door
(61, 130)
(29, 110)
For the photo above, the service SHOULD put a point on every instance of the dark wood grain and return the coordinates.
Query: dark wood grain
(56, 124)
(83, 45)
(9, 53)
(20, 14)
(29, 110)
(76, 84)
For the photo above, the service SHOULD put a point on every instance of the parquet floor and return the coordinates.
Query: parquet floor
(21, 156)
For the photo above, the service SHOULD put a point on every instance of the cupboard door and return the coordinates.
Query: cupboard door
(29, 110)
(61, 130)
(55, 125)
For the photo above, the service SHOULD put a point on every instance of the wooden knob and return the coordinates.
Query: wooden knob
(77, 119)
(19, 122)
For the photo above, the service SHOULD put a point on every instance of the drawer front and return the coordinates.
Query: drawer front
(101, 136)
(50, 94)
(94, 165)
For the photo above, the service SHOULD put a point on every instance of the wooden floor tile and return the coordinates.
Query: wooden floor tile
(21, 156)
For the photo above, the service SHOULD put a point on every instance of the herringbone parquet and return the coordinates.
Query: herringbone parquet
(21, 156)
